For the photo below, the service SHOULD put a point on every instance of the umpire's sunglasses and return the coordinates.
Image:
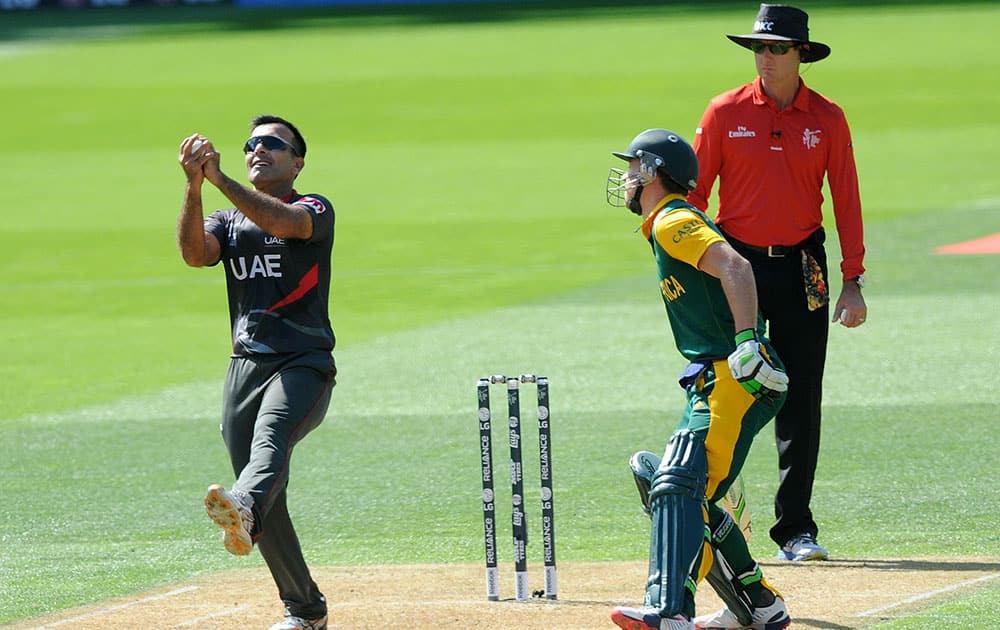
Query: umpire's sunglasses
(776, 48)
(271, 143)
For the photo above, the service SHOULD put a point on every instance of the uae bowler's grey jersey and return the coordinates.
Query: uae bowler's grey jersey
(279, 289)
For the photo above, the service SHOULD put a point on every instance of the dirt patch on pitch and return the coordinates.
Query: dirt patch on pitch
(838, 594)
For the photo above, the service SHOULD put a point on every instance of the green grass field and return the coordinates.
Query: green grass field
(466, 159)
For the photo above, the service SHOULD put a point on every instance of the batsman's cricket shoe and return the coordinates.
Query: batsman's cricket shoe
(644, 465)
(648, 619)
(232, 511)
(773, 617)
(298, 623)
(802, 547)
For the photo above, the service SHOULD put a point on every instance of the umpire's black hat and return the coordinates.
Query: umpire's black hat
(782, 22)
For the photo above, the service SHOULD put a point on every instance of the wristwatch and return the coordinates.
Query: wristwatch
(860, 281)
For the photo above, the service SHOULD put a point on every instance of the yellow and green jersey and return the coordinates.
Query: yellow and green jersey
(699, 313)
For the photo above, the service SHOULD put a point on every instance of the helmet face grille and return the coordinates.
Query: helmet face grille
(619, 182)
(616, 187)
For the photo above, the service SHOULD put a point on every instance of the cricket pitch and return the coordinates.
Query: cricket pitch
(839, 594)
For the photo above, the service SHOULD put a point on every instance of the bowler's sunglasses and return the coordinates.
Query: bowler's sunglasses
(271, 143)
(776, 48)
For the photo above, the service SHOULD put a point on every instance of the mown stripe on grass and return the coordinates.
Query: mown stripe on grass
(615, 356)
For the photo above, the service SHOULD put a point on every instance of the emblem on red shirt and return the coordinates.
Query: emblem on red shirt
(810, 137)
(742, 132)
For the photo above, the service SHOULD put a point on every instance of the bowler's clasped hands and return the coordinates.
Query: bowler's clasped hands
(197, 151)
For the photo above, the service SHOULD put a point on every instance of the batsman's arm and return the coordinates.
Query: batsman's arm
(708, 251)
(736, 276)
(749, 363)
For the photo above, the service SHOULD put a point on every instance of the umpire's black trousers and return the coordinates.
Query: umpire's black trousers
(800, 337)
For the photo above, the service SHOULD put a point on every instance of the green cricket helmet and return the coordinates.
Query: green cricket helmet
(665, 151)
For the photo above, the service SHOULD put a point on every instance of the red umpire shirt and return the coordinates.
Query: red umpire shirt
(279, 289)
(772, 165)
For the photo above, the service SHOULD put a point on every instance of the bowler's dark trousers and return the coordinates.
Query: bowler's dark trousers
(269, 405)
(800, 337)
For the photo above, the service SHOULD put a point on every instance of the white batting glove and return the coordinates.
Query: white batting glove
(752, 369)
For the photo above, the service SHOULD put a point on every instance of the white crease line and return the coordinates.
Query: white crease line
(917, 598)
(221, 613)
(462, 602)
(104, 611)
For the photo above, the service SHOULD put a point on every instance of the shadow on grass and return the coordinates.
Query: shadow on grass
(154, 20)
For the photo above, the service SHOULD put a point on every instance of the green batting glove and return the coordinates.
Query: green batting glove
(754, 371)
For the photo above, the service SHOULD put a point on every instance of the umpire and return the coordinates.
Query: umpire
(275, 246)
(770, 143)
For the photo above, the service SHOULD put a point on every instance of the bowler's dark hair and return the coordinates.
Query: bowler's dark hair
(267, 119)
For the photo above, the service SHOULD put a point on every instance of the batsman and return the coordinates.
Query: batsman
(734, 384)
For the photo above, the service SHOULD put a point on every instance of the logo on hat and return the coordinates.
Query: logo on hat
(781, 22)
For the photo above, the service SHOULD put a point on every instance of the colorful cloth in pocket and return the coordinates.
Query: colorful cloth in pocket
(817, 293)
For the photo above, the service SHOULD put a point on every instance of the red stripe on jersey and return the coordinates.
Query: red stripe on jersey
(311, 202)
(308, 282)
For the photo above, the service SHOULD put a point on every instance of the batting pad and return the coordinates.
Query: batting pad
(678, 531)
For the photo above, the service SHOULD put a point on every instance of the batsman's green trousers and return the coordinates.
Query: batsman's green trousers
(728, 418)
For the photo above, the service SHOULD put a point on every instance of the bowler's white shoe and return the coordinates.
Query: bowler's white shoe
(232, 512)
